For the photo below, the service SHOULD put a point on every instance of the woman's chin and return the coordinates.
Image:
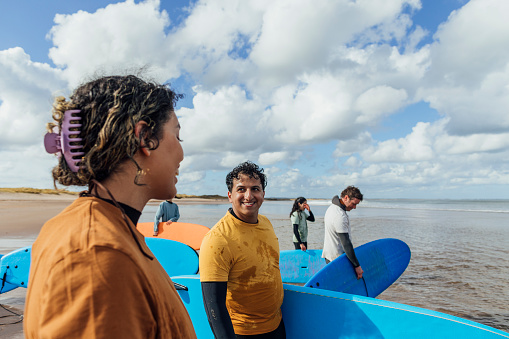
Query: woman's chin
(172, 193)
(166, 195)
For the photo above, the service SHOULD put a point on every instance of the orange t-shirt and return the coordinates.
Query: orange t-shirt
(247, 257)
(89, 279)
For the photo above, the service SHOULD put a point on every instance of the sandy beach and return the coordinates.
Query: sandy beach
(23, 215)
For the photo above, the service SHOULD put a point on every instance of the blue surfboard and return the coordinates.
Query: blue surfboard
(15, 266)
(330, 314)
(315, 313)
(176, 258)
(383, 261)
(189, 289)
(298, 266)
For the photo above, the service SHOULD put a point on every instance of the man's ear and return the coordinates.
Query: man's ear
(139, 130)
(229, 196)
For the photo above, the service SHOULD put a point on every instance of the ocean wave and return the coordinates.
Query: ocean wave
(484, 206)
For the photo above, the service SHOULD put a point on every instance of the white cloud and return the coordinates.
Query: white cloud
(469, 75)
(26, 166)
(306, 32)
(230, 160)
(119, 36)
(190, 177)
(354, 145)
(26, 90)
(428, 159)
(318, 110)
(271, 158)
(287, 182)
(416, 146)
(353, 162)
(378, 101)
(224, 121)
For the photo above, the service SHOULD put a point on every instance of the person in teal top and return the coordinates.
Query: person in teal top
(299, 217)
(168, 211)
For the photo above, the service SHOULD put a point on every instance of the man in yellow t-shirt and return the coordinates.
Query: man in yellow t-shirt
(239, 264)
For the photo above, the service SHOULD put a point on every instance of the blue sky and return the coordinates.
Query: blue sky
(402, 98)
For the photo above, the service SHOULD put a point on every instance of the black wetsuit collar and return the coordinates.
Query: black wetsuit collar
(132, 213)
(233, 213)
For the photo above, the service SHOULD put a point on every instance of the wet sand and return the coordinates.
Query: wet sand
(21, 216)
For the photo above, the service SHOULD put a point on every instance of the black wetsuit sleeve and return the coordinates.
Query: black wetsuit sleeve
(311, 217)
(296, 232)
(348, 248)
(214, 300)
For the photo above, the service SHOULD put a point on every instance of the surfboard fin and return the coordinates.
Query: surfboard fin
(180, 287)
(4, 278)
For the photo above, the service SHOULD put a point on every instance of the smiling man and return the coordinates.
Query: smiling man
(239, 264)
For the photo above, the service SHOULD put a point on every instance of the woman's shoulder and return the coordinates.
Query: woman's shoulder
(89, 221)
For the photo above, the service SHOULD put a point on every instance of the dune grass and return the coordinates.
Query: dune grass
(35, 190)
(62, 191)
(209, 196)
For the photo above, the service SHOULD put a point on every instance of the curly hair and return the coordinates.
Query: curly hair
(352, 192)
(247, 168)
(296, 207)
(110, 109)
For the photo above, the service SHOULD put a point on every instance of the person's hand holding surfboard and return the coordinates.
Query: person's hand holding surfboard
(359, 272)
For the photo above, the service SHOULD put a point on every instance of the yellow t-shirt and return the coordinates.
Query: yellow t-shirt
(89, 279)
(247, 257)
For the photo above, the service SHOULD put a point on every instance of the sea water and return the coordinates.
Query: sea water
(460, 248)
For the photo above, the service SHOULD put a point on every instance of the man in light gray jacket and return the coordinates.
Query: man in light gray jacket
(337, 228)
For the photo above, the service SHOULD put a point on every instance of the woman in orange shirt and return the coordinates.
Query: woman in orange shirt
(92, 275)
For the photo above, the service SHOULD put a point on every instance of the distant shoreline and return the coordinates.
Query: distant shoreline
(23, 211)
(26, 193)
(23, 214)
(65, 193)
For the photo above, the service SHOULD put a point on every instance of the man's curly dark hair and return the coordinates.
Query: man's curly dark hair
(247, 168)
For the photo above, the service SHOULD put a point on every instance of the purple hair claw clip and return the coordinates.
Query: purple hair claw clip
(55, 143)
